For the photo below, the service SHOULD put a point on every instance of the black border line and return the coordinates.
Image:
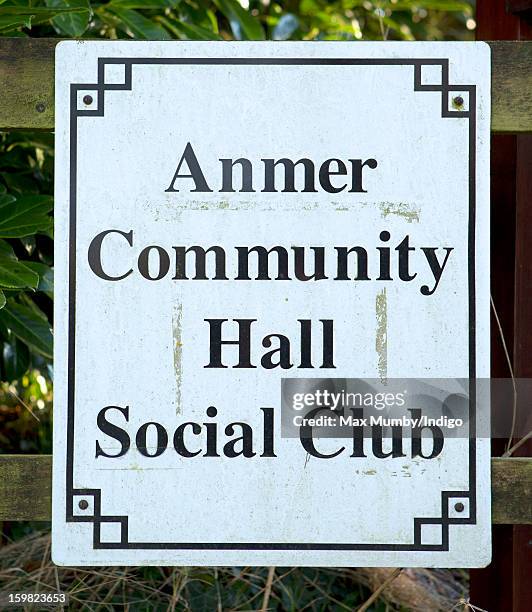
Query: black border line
(470, 114)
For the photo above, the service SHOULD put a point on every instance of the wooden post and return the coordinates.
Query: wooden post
(504, 585)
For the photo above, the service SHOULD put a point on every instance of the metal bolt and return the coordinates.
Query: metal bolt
(458, 101)
(40, 107)
(87, 100)
(83, 504)
(459, 507)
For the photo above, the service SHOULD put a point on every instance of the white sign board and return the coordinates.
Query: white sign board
(229, 215)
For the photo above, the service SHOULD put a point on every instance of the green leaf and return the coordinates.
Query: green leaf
(46, 277)
(243, 24)
(72, 23)
(15, 275)
(435, 5)
(138, 26)
(19, 183)
(16, 359)
(38, 11)
(34, 15)
(12, 22)
(2, 299)
(6, 250)
(188, 30)
(144, 4)
(24, 215)
(29, 327)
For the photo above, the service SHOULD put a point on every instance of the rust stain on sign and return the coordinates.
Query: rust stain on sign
(177, 349)
(381, 339)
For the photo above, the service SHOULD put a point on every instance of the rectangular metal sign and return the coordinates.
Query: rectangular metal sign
(272, 304)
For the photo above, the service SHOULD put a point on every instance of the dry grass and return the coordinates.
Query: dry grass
(25, 566)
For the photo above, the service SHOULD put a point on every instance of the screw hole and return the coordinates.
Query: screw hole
(459, 507)
(83, 504)
(40, 107)
(88, 100)
(458, 101)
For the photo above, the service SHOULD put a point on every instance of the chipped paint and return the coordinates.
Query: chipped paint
(400, 209)
(381, 339)
(406, 210)
(177, 350)
(242, 205)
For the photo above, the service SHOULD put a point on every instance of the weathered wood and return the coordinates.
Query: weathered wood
(511, 489)
(511, 91)
(26, 489)
(27, 81)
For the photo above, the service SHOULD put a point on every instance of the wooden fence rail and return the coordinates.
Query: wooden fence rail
(26, 489)
(27, 84)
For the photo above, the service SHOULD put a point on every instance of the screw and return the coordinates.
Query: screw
(83, 504)
(40, 107)
(459, 507)
(458, 101)
(87, 100)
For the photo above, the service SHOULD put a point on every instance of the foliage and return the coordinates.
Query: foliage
(26, 253)
(26, 414)
(244, 20)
